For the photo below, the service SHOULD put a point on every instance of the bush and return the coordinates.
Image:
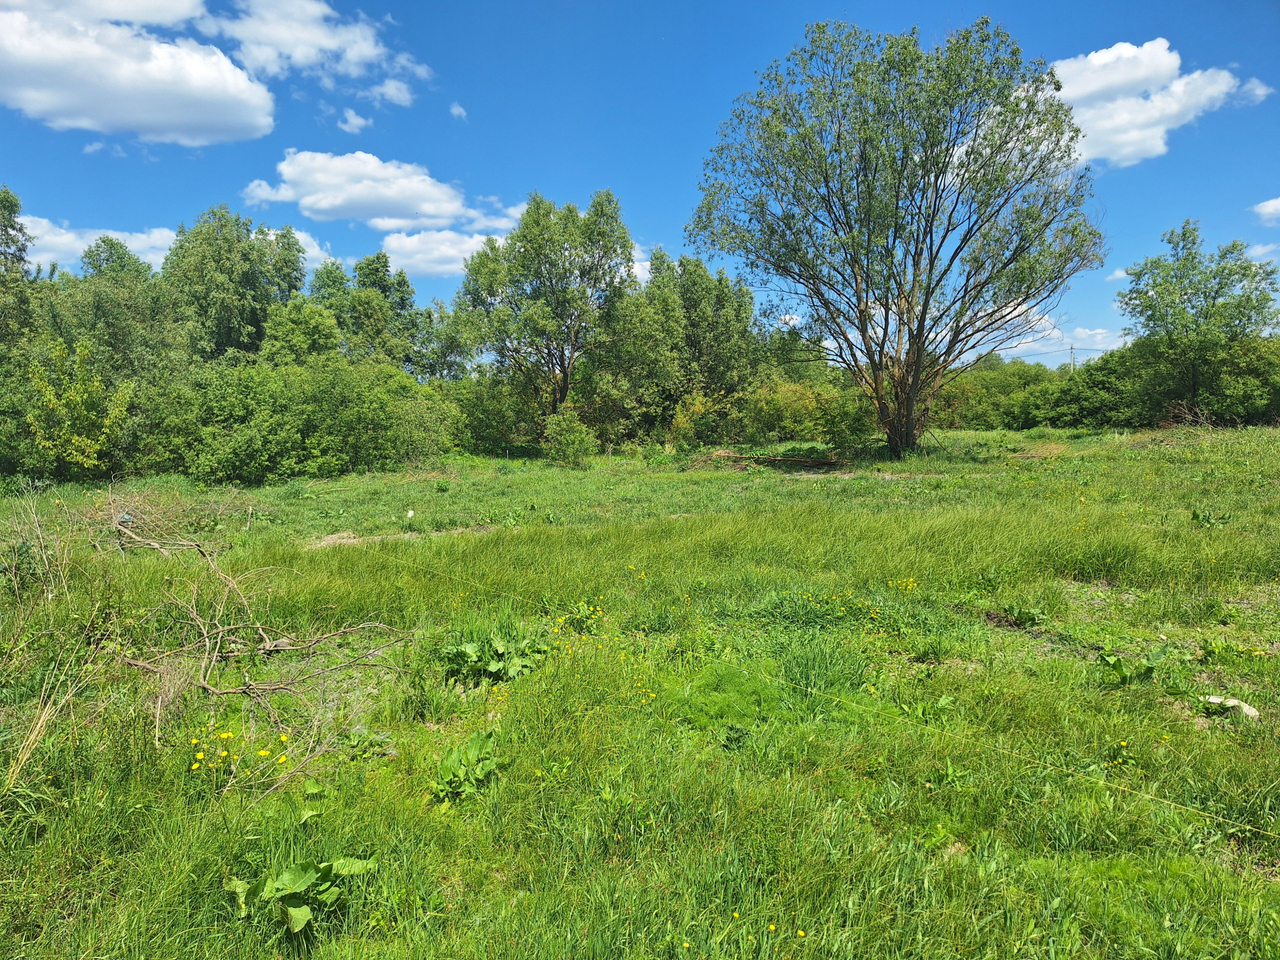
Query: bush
(259, 423)
(566, 440)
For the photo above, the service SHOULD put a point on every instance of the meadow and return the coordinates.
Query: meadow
(667, 706)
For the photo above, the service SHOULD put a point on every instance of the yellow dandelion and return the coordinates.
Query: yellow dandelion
(200, 756)
(264, 753)
(280, 759)
(284, 738)
(194, 741)
(195, 766)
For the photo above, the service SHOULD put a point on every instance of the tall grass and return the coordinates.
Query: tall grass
(867, 706)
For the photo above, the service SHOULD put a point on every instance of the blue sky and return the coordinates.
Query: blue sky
(420, 127)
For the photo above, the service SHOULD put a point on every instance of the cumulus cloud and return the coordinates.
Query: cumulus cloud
(1268, 211)
(1116, 274)
(314, 252)
(431, 253)
(352, 122)
(276, 37)
(499, 218)
(392, 90)
(456, 110)
(1127, 98)
(64, 243)
(1096, 340)
(78, 73)
(1255, 91)
(100, 65)
(385, 194)
(1262, 251)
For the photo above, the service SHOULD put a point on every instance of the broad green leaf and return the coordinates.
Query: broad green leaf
(297, 878)
(350, 866)
(294, 913)
(240, 889)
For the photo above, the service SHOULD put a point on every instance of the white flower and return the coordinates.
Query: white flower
(410, 514)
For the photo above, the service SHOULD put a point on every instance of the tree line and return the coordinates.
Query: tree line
(908, 213)
(230, 364)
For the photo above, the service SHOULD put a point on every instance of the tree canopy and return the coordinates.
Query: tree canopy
(918, 207)
(548, 291)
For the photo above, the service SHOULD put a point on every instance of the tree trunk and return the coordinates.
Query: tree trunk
(903, 435)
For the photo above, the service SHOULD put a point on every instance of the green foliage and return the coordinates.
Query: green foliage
(1124, 673)
(566, 440)
(298, 892)
(463, 770)
(841, 185)
(75, 418)
(1189, 306)
(224, 275)
(544, 296)
(497, 649)
(15, 239)
(297, 330)
(259, 423)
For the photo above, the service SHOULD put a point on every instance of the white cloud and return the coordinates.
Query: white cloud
(404, 63)
(1268, 211)
(74, 72)
(278, 36)
(385, 194)
(1262, 251)
(395, 91)
(93, 147)
(65, 244)
(316, 253)
(640, 263)
(1255, 91)
(1116, 274)
(502, 218)
(161, 13)
(431, 253)
(100, 65)
(1100, 339)
(456, 110)
(352, 122)
(1126, 98)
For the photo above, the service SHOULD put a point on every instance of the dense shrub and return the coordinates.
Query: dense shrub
(259, 423)
(567, 440)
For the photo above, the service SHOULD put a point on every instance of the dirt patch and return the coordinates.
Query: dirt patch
(348, 539)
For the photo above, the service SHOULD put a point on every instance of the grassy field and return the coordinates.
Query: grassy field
(941, 707)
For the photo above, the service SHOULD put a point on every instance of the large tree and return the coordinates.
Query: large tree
(1190, 309)
(224, 275)
(547, 292)
(918, 208)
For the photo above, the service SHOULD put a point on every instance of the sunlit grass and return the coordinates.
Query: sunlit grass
(862, 704)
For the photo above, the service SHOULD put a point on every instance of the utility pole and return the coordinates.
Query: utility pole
(1073, 358)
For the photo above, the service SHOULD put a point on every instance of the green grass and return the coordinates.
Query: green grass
(866, 704)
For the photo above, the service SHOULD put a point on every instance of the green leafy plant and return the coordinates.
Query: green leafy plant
(463, 769)
(497, 650)
(298, 893)
(1210, 520)
(1024, 617)
(566, 440)
(1125, 674)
